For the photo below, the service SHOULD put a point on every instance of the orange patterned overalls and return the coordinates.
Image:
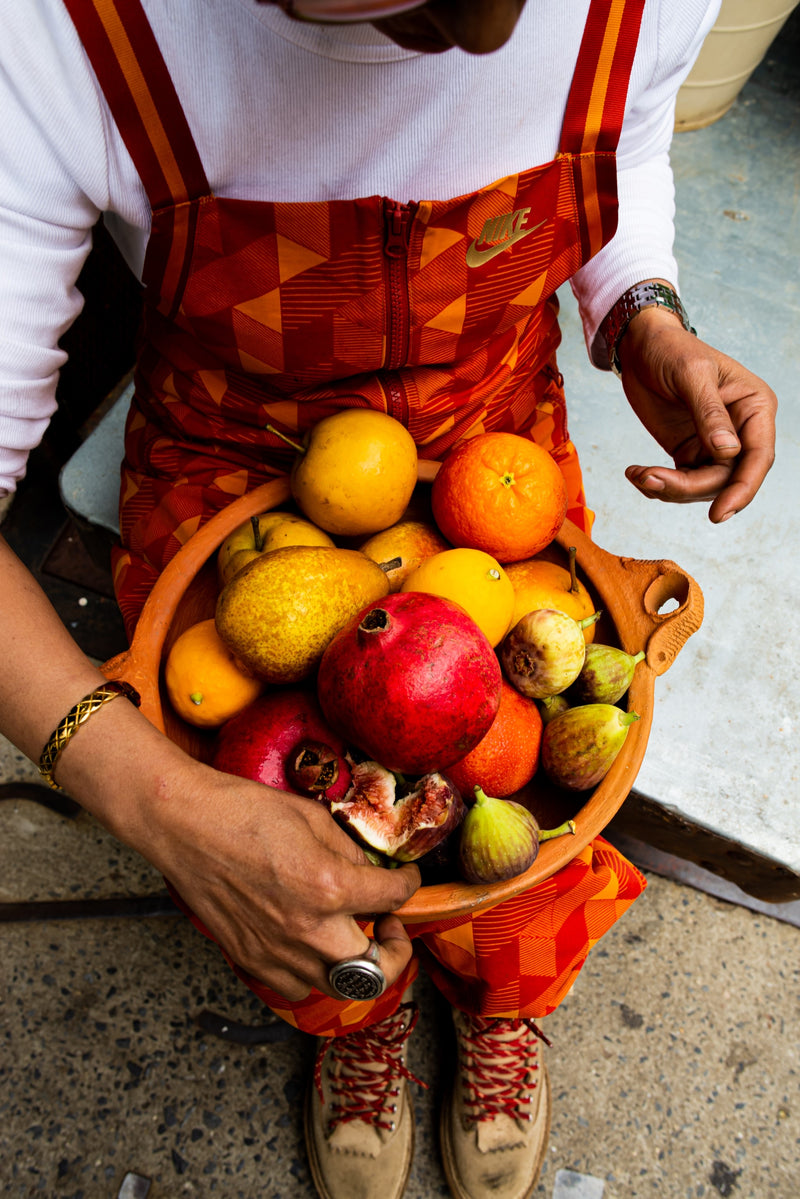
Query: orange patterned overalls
(442, 313)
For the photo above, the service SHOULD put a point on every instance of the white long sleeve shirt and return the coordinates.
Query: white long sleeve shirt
(284, 111)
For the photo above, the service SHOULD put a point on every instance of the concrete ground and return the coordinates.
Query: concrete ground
(674, 1062)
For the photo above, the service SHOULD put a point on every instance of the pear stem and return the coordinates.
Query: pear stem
(294, 444)
(573, 574)
(258, 540)
(391, 564)
(546, 834)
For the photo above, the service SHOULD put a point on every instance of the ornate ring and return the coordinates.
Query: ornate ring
(360, 977)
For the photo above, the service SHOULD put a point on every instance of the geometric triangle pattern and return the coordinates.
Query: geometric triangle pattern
(516, 960)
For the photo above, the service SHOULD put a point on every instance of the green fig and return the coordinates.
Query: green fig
(544, 652)
(605, 676)
(552, 706)
(580, 745)
(500, 839)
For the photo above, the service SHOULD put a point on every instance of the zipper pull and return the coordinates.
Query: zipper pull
(398, 222)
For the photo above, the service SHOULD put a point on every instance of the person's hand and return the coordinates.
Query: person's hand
(713, 417)
(277, 882)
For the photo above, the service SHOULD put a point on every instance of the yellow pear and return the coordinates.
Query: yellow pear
(404, 547)
(262, 534)
(539, 583)
(278, 614)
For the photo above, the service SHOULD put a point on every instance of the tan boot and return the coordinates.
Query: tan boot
(495, 1124)
(359, 1123)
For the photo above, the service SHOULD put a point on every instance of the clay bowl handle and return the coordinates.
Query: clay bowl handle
(635, 593)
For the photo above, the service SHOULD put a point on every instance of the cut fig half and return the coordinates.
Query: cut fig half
(403, 826)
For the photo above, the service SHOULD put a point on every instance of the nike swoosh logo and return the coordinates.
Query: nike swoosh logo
(476, 257)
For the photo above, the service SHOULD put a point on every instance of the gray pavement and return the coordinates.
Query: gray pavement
(675, 1057)
(674, 1062)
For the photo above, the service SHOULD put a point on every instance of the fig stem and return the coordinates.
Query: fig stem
(573, 574)
(258, 540)
(587, 620)
(301, 449)
(546, 834)
(637, 657)
(480, 795)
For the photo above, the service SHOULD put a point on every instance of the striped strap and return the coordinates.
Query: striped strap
(596, 104)
(136, 83)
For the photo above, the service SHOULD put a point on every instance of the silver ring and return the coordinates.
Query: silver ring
(360, 977)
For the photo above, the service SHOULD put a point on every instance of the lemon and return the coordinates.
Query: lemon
(473, 579)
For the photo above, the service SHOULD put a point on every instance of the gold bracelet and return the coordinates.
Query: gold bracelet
(75, 718)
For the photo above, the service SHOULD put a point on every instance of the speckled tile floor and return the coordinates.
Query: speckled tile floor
(675, 1063)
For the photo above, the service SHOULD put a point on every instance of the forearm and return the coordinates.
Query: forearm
(43, 673)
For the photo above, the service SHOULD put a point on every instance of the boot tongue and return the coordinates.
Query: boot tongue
(357, 1137)
(500, 1132)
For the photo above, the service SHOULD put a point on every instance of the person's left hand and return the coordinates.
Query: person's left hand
(713, 417)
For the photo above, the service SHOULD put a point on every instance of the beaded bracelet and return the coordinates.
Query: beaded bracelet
(75, 718)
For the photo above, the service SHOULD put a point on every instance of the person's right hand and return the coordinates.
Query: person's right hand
(275, 880)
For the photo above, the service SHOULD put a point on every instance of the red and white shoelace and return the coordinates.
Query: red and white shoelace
(498, 1063)
(359, 1091)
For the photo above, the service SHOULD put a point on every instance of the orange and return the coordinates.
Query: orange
(541, 584)
(412, 541)
(206, 684)
(500, 493)
(473, 579)
(507, 757)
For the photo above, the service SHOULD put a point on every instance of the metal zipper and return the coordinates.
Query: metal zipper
(397, 225)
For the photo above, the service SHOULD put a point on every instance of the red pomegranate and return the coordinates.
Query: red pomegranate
(263, 742)
(412, 681)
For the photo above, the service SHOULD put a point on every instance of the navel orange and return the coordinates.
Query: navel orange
(205, 682)
(473, 579)
(508, 756)
(499, 493)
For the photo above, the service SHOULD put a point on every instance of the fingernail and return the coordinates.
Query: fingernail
(728, 515)
(652, 483)
(724, 440)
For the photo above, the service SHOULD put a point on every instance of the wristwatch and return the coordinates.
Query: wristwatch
(641, 295)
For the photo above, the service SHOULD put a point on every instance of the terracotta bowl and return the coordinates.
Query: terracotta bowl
(653, 606)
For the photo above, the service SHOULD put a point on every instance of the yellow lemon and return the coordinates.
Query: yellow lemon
(473, 579)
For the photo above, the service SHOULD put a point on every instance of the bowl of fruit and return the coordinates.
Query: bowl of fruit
(434, 651)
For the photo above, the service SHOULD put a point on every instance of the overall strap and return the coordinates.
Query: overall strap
(596, 104)
(137, 86)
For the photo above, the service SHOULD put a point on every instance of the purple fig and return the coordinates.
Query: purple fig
(580, 745)
(605, 676)
(500, 839)
(544, 652)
